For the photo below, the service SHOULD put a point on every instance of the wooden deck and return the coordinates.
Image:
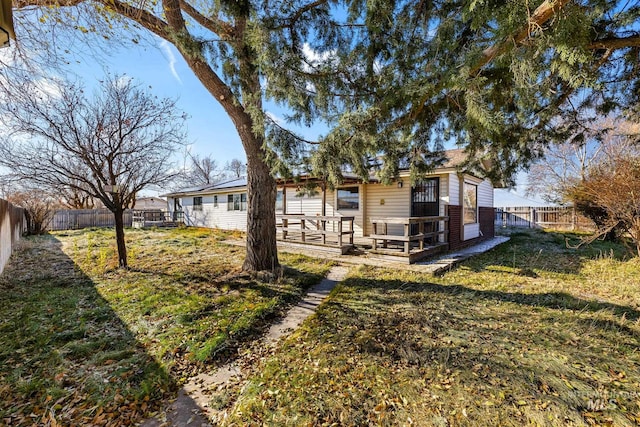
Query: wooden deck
(156, 218)
(422, 237)
(331, 232)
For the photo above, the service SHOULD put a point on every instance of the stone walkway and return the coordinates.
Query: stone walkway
(191, 408)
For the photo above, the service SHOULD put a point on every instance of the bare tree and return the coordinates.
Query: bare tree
(40, 206)
(202, 170)
(110, 145)
(565, 165)
(236, 167)
(75, 198)
(610, 189)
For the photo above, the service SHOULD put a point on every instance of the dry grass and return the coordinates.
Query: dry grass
(532, 333)
(82, 343)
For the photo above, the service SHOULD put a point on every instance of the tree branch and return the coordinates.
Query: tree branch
(223, 29)
(612, 43)
(540, 16)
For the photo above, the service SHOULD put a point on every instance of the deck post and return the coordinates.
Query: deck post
(384, 231)
(375, 231)
(407, 243)
(285, 225)
(340, 233)
(352, 231)
(302, 228)
(323, 228)
(324, 199)
(421, 231)
(284, 198)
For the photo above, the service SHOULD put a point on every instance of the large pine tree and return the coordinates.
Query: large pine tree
(501, 79)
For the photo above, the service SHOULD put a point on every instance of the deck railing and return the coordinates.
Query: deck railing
(417, 231)
(325, 230)
(159, 218)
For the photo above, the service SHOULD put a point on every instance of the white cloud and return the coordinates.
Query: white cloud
(315, 58)
(48, 88)
(166, 48)
(277, 120)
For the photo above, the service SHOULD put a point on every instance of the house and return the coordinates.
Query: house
(453, 209)
(150, 203)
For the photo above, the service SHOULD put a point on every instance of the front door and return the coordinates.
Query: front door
(425, 196)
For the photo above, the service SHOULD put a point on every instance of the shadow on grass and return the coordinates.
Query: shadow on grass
(404, 353)
(65, 355)
(553, 300)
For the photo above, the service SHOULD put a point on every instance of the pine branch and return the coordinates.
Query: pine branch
(222, 29)
(612, 43)
(540, 16)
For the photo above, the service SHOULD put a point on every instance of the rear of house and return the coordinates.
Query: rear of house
(222, 205)
(461, 203)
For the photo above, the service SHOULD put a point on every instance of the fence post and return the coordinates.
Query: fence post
(532, 218)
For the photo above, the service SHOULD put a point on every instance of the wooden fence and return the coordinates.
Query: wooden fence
(73, 219)
(554, 217)
(12, 224)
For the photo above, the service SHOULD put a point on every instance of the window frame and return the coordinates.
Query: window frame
(197, 203)
(236, 202)
(339, 199)
(470, 203)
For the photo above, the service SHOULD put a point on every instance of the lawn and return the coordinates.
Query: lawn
(531, 333)
(83, 343)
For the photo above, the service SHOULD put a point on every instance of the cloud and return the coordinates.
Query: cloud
(316, 58)
(276, 119)
(166, 47)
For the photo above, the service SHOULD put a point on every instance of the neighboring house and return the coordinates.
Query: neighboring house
(222, 205)
(151, 203)
(466, 201)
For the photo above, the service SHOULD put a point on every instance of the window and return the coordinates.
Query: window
(426, 191)
(215, 201)
(197, 203)
(349, 198)
(470, 203)
(237, 202)
(279, 200)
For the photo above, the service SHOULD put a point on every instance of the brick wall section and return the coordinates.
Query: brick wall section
(487, 222)
(455, 215)
(12, 225)
(486, 217)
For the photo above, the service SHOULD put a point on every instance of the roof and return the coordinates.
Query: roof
(455, 158)
(210, 188)
(150, 198)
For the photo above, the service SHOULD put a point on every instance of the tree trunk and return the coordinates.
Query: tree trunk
(262, 253)
(122, 248)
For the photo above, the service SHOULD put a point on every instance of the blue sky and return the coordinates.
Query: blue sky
(210, 131)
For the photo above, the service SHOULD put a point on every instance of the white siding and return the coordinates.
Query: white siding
(454, 189)
(485, 194)
(214, 216)
(308, 205)
(471, 231)
(388, 201)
